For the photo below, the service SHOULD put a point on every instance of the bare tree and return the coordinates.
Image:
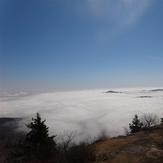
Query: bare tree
(71, 152)
(67, 141)
(150, 120)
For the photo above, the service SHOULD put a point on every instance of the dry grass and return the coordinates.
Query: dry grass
(143, 147)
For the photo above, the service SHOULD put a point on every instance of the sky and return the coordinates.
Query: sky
(48, 45)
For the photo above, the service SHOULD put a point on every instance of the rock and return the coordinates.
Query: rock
(154, 153)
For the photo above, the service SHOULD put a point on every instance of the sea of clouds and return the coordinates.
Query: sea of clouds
(87, 113)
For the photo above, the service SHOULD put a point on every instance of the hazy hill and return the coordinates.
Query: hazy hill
(8, 129)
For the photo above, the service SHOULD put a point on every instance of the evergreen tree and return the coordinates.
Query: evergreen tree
(161, 121)
(136, 125)
(38, 144)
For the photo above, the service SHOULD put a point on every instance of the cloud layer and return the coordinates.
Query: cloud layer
(85, 112)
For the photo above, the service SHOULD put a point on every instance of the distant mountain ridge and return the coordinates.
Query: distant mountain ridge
(156, 90)
(111, 91)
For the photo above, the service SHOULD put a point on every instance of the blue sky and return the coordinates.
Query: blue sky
(80, 44)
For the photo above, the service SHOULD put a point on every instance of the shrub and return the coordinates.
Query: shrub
(77, 153)
(81, 153)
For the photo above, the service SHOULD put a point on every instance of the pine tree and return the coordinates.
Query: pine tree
(38, 144)
(136, 125)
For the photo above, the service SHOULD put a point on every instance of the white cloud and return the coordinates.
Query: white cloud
(85, 112)
(118, 15)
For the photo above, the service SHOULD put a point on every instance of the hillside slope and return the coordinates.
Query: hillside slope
(142, 147)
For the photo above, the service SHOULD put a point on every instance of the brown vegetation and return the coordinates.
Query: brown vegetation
(144, 147)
